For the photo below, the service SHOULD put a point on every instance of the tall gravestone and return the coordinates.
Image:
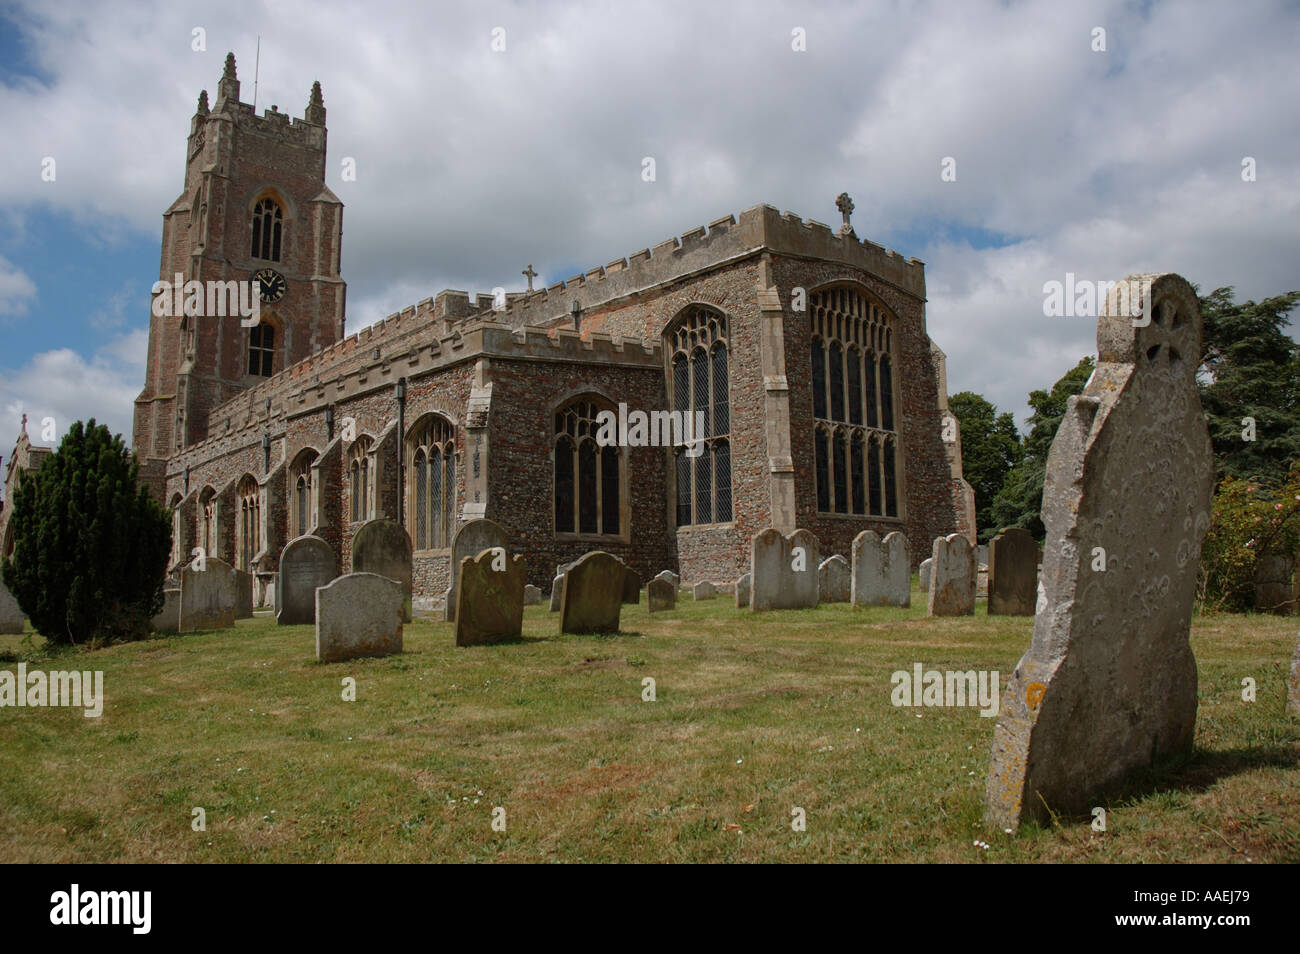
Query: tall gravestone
(783, 570)
(952, 577)
(882, 570)
(592, 594)
(473, 537)
(306, 562)
(660, 595)
(11, 616)
(209, 597)
(384, 547)
(357, 615)
(490, 598)
(1013, 573)
(1108, 684)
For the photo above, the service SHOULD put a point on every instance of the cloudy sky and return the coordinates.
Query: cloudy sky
(473, 162)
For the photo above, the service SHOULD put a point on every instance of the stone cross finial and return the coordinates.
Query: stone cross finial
(530, 275)
(845, 205)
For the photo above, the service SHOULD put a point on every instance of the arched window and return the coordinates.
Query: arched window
(208, 529)
(359, 480)
(588, 478)
(261, 350)
(176, 531)
(699, 388)
(855, 444)
(431, 449)
(250, 523)
(268, 222)
(300, 499)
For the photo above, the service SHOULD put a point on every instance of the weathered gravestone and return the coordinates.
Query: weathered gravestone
(244, 590)
(1108, 684)
(470, 540)
(532, 595)
(557, 590)
(882, 570)
(924, 572)
(209, 597)
(1013, 573)
(359, 614)
(11, 615)
(783, 570)
(592, 594)
(168, 619)
(952, 577)
(834, 580)
(670, 577)
(704, 590)
(742, 591)
(661, 595)
(383, 547)
(631, 586)
(1293, 683)
(306, 562)
(490, 600)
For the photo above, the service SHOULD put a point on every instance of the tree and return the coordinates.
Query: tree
(1250, 373)
(990, 448)
(1020, 501)
(90, 544)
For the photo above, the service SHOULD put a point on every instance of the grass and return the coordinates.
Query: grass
(755, 715)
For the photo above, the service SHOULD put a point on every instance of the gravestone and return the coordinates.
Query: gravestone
(1293, 683)
(168, 619)
(470, 540)
(982, 555)
(592, 594)
(557, 589)
(704, 591)
(532, 595)
(882, 570)
(742, 591)
(244, 589)
(834, 580)
(383, 547)
(783, 570)
(307, 562)
(357, 615)
(209, 597)
(660, 595)
(924, 573)
(1108, 685)
(490, 601)
(631, 586)
(1013, 573)
(11, 615)
(671, 577)
(952, 577)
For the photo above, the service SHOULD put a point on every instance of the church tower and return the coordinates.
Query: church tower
(255, 206)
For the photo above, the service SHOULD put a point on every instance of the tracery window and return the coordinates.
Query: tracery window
(250, 523)
(699, 390)
(268, 223)
(588, 477)
(432, 451)
(855, 442)
(300, 482)
(359, 473)
(208, 528)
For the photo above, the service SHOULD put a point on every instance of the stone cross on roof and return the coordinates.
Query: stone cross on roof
(531, 275)
(845, 205)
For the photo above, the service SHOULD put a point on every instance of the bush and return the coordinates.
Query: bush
(1249, 520)
(90, 545)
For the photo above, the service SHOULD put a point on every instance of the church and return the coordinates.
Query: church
(801, 349)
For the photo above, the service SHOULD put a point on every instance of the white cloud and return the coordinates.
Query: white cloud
(17, 291)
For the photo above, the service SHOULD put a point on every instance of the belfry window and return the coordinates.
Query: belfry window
(261, 350)
(268, 223)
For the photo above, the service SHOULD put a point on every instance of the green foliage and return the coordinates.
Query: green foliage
(990, 448)
(1020, 501)
(1251, 368)
(90, 545)
(1249, 521)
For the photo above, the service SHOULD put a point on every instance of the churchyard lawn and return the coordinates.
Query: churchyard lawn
(754, 715)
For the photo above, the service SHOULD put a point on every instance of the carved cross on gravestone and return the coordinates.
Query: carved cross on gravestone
(845, 205)
(530, 274)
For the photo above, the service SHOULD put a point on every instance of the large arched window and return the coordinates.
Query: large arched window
(855, 440)
(588, 478)
(208, 528)
(300, 498)
(699, 391)
(431, 450)
(359, 472)
(268, 223)
(250, 523)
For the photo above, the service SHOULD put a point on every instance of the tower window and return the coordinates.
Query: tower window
(268, 221)
(261, 350)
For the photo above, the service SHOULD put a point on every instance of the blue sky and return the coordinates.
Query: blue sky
(473, 163)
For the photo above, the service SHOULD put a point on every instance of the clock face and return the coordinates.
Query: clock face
(272, 284)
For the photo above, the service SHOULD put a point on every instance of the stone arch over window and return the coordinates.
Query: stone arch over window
(699, 390)
(855, 442)
(208, 520)
(249, 530)
(431, 462)
(360, 472)
(267, 229)
(590, 479)
(301, 516)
